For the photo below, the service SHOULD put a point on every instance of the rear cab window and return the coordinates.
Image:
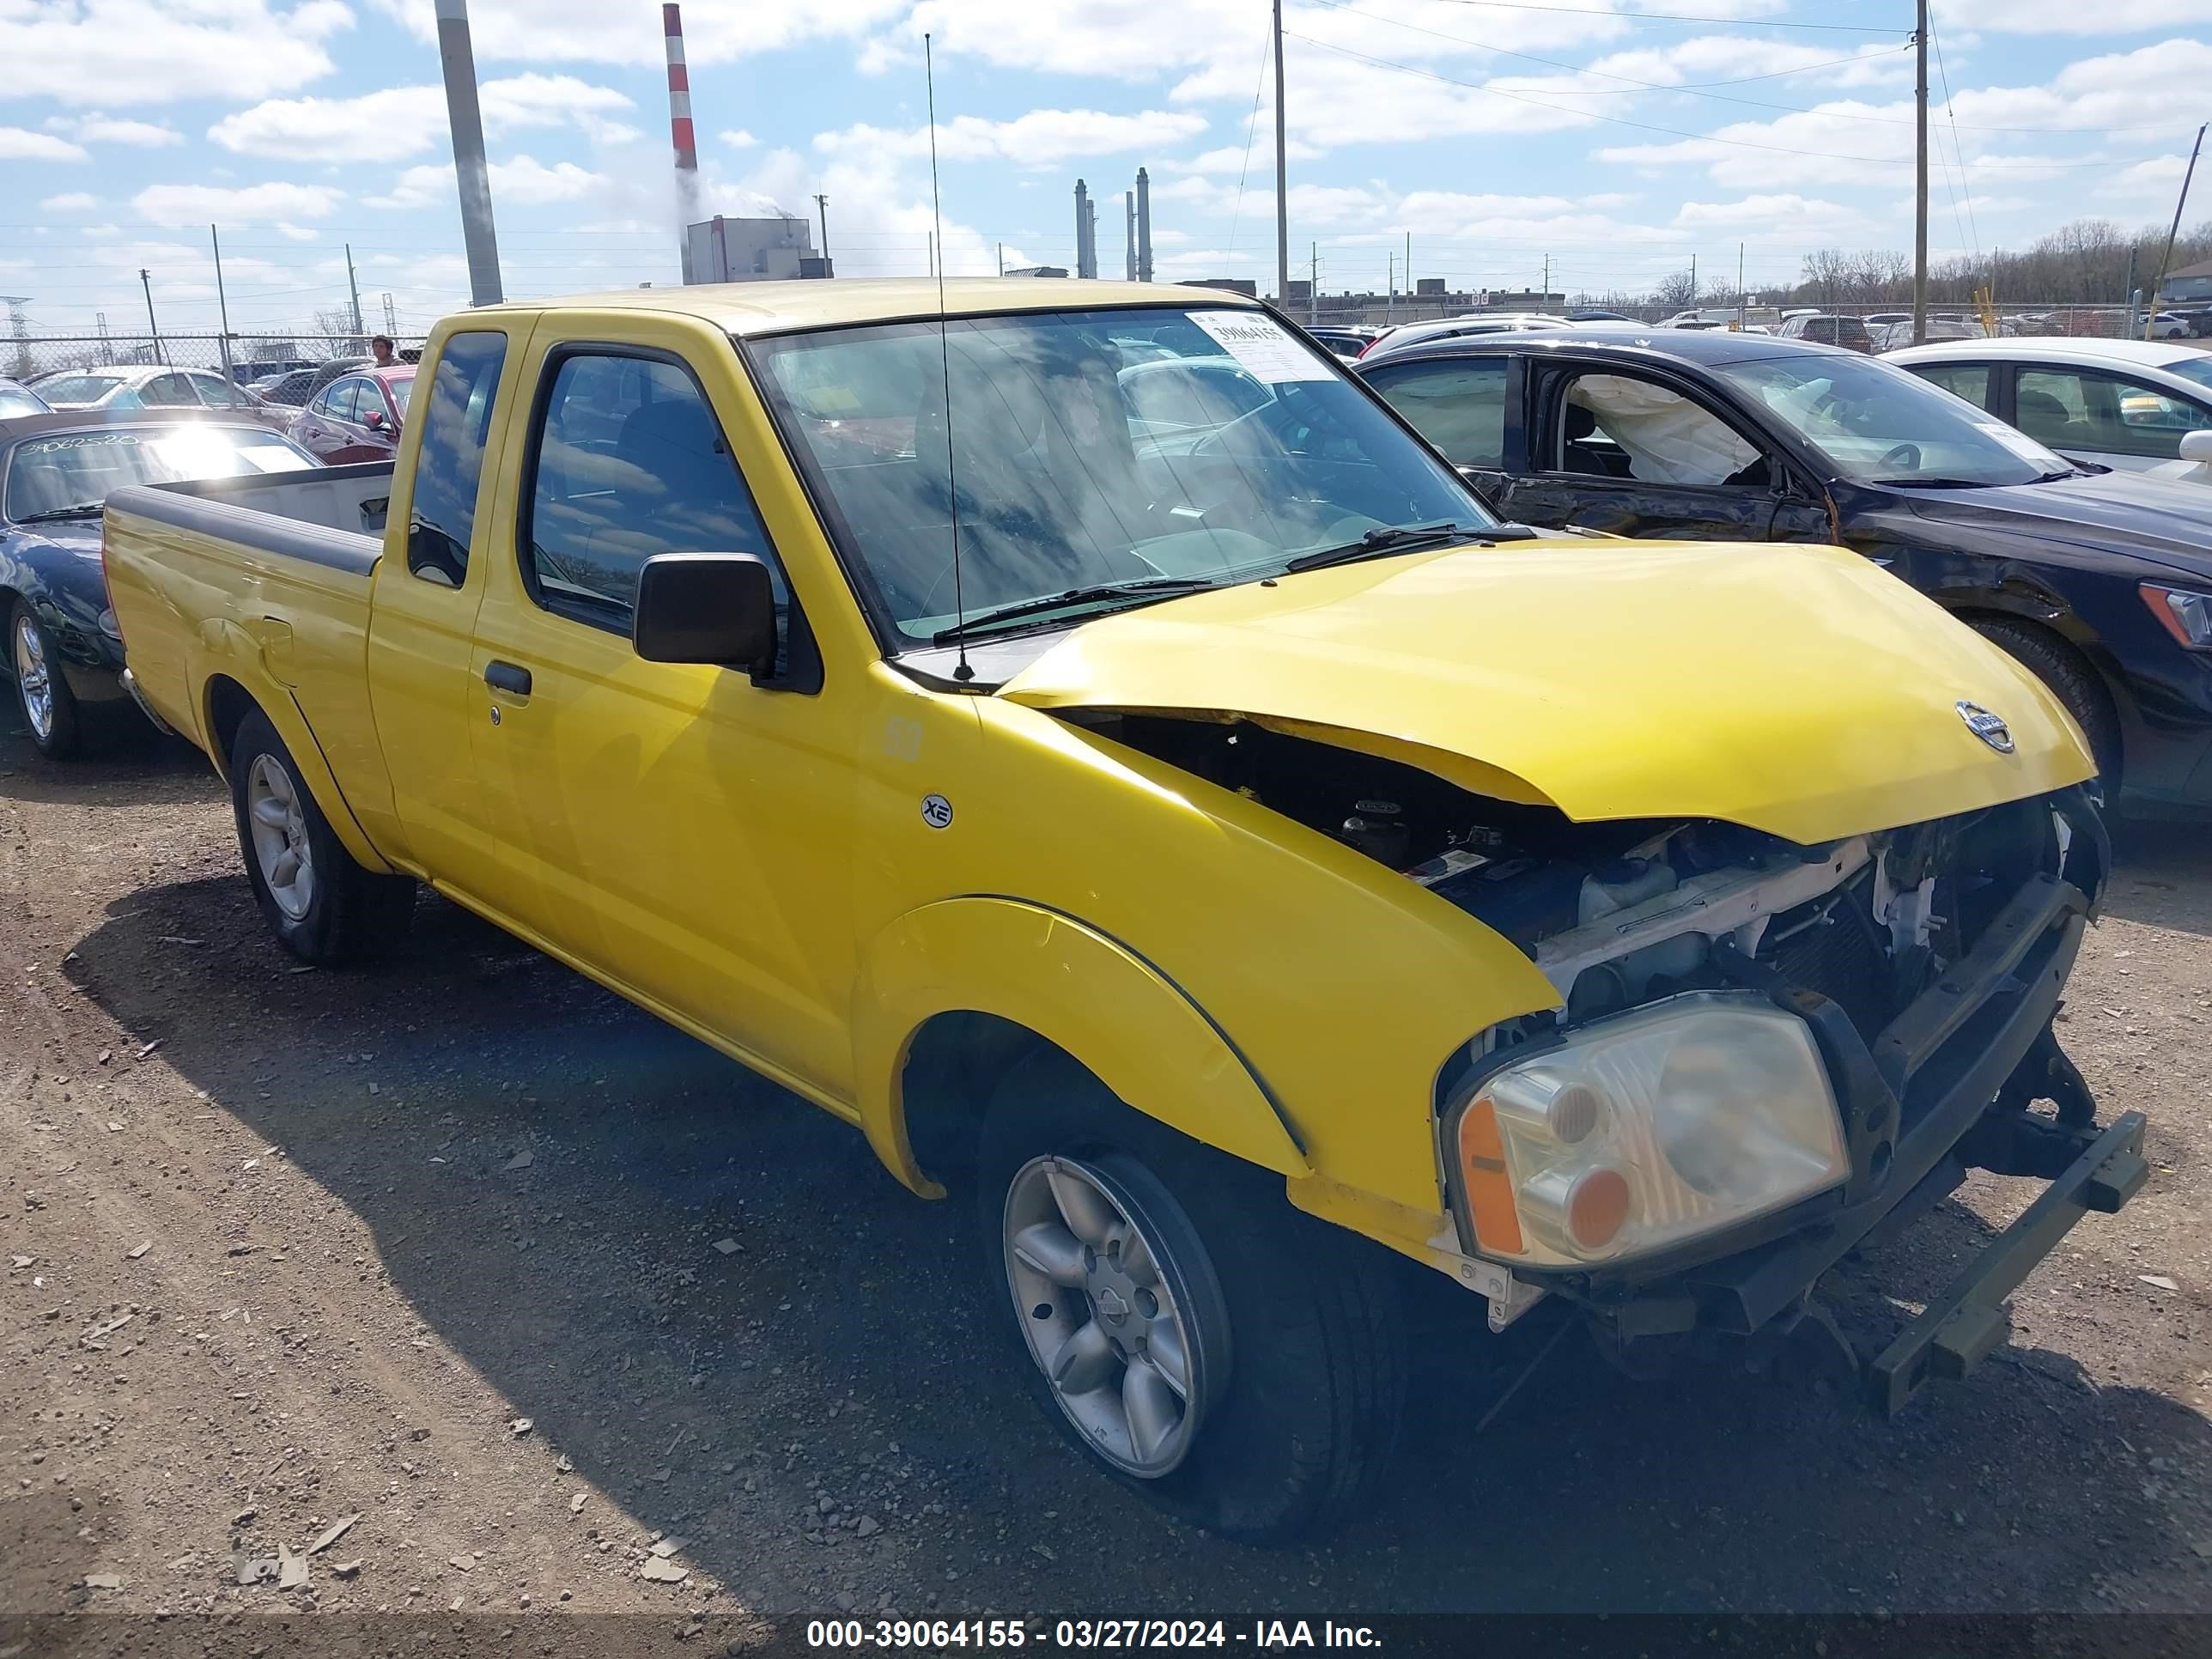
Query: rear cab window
(449, 464)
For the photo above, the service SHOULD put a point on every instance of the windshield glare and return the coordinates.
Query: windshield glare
(70, 468)
(1090, 448)
(1876, 424)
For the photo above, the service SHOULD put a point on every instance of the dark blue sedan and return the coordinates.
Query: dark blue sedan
(2099, 582)
(56, 471)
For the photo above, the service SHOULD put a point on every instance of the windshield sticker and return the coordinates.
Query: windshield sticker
(1261, 348)
(79, 441)
(2017, 441)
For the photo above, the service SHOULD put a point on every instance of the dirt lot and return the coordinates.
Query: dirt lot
(364, 1226)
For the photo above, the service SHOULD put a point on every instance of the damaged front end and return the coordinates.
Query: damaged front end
(1766, 1054)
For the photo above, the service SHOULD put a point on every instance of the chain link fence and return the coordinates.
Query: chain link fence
(245, 357)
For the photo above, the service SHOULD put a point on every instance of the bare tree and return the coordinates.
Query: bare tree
(334, 328)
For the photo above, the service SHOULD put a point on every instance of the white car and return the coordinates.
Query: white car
(2122, 403)
(1495, 322)
(151, 387)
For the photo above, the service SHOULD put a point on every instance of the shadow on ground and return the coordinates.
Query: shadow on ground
(584, 1286)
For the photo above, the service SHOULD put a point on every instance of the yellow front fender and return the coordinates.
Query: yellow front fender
(1073, 986)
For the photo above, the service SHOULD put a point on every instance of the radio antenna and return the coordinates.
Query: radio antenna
(963, 671)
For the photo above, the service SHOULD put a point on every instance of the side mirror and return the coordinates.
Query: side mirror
(707, 608)
(2198, 447)
(373, 419)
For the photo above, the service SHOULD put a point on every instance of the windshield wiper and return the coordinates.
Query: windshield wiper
(1406, 539)
(1162, 586)
(1934, 484)
(81, 510)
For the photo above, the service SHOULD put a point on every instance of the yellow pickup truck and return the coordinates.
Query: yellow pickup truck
(1079, 736)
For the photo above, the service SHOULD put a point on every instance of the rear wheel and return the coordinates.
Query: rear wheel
(2071, 680)
(322, 905)
(42, 691)
(1243, 1371)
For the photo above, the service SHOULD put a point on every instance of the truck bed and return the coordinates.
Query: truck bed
(262, 581)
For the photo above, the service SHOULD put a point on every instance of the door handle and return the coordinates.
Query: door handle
(507, 677)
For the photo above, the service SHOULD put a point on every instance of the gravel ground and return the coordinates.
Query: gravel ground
(469, 1250)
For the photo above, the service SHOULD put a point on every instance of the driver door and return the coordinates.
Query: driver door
(1617, 450)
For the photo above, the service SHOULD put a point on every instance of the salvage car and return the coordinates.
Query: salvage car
(1244, 869)
(128, 389)
(65, 657)
(357, 417)
(2102, 584)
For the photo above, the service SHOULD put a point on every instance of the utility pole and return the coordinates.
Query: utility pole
(1002, 259)
(1313, 284)
(1409, 274)
(471, 170)
(822, 209)
(222, 304)
(1743, 298)
(1693, 282)
(146, 280)
(390, 317)
(932, 253)
(1545, 299)
(356, 287)
(2150, 311)
(1282, 177)
(1391, 296)
(2130, 295)
(1920, 178)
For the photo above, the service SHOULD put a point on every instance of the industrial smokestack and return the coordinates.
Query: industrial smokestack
(680, 131)
(1129, 228)
(1085, 222)
(1144, 226)
(469, 166)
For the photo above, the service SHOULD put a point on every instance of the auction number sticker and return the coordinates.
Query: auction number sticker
(1261, 346)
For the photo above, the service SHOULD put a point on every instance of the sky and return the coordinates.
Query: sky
(1607, 140)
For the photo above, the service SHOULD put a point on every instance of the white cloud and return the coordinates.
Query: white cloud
(71, 201)
(201, 205)
(524, 181)
(737, 138)
(106, 52)
(1043, 138)
(627, 32)
(20, 144)
(403, 121)
(2071, 17)
(98, 129)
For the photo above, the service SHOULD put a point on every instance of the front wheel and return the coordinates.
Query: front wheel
(323, 906)
(42, 691)
(1243, 1371)
(2070, 679)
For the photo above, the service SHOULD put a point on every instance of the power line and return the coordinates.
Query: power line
(1704, 137)
(1965, 185)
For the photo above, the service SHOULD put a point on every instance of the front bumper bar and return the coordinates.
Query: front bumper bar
(1943, 1088)
(1961, 1328)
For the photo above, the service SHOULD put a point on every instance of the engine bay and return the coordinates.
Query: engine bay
(1623, 912)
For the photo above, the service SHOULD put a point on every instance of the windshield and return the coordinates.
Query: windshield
(399, 385)
(1876, 424)
(2198, 368)
(1089, 448)
(14, 401)
(71, 468)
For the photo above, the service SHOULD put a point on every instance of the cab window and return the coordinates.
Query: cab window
(442, 518)
(627, 460)
(1458, 405)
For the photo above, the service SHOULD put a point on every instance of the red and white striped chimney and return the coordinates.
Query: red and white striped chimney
(679, 92)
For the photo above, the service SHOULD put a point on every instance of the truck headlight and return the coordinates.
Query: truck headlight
(1648, 1129)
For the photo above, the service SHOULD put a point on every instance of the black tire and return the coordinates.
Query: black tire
(2071, 680)
(1302, 1427)
(61, 735)
(351, 914)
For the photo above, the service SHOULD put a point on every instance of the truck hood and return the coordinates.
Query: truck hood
(1797, 691)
